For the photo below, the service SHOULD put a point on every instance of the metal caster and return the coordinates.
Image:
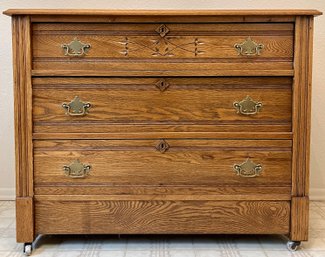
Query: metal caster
(293, 245)
(28, 248)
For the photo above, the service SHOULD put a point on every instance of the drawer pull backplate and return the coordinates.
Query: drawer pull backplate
(75, 48)
(76, 107)
(248, 106)
(77, 169)
(248, 169)
(249, 47)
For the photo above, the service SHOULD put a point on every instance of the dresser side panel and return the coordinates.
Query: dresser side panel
(301, 105)
(23, 127)
(301, 126)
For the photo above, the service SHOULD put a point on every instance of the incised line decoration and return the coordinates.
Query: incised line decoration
(162, 46)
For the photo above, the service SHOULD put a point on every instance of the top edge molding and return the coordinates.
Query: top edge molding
(117, 12)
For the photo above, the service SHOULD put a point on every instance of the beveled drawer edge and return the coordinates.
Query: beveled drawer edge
(152, 135)
(256, 197)
(265, 192)
(81, 73)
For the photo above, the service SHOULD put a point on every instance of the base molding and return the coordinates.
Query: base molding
(317, 194)
(7, 194)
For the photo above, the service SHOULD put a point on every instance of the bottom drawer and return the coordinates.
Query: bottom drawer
(161, 217)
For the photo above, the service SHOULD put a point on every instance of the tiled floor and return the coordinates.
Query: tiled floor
(162, 246)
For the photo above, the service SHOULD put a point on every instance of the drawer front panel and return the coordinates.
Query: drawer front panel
(163, 103)
(163, 162)
(163, 217)
(75, 45)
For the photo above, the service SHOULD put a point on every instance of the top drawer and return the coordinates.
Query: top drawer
(188, 49)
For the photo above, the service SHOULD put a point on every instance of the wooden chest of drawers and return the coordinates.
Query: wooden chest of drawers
(162, 122)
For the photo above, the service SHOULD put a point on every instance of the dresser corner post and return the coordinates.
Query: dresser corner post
(301, 128)
(22, 63)
(299, 218)
(25, 220)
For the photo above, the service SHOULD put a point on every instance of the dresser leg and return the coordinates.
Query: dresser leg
(24, 220)
(299, 219)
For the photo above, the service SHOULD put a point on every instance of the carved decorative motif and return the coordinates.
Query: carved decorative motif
(162, 146)
(162, 46)
(162, 85)
(248, 169)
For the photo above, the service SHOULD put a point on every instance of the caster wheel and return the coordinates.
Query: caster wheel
(28, 249)
(293, 245)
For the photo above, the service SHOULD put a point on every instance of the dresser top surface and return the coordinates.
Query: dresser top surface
(251, 12)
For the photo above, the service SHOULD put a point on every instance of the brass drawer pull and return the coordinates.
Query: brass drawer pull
(249, 47)
(76, 107)
(75, 48)
(77, 169)
(248, 106)
(248, 169)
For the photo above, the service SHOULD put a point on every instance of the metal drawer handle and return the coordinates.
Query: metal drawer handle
(75, 48)
(249, 47)
(77, 169)
(248, 169)
(76, 107)
(248, 106)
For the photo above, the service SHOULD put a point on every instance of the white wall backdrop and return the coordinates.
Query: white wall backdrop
(7, 165)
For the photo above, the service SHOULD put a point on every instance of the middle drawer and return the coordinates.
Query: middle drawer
(214, 104)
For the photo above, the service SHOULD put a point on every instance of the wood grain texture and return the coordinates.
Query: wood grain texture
(302, 106)
(143, 41)
(133, 47)
(24, 219)
(145, 105)
(23, 128)
(98, 12)
(137, 162)
(301, 128)
(192, 187)
(151, 135)
(172, 192)
(23, 105)
(164, 19)
(163, 217)
(208, 70)
(148, 197)
(299, 218)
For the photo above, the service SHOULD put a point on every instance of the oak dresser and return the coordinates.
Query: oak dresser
(162, 122)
